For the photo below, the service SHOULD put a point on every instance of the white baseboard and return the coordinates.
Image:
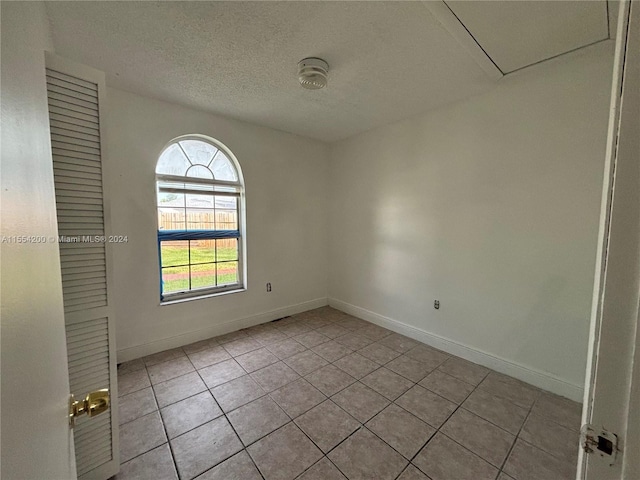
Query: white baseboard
(137, 351)
(529, 375)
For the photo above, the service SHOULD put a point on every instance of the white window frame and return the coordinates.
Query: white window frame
(171, 184)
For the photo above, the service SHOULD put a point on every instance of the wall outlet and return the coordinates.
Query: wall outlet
(436, 304)
(268, 286)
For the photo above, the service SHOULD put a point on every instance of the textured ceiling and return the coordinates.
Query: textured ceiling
(388, 60)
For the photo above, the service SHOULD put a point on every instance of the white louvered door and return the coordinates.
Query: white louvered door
(74, 95)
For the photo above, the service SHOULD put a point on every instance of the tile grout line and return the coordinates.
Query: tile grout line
(437, 430)
(291, 419)
(362, 424)
(269, 394)
(224, 413)
(158, 408)
(327, 398)
(391, 402)
(173, 458)
(163, 428)
(529, 414)
(506, 459)
(244, 448)
(349, 331)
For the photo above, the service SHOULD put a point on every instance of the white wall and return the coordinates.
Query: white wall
(287, 240)
(491, 206)
(36, 440)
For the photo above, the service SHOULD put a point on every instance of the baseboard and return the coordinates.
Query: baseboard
(529, 375)
(137, 351)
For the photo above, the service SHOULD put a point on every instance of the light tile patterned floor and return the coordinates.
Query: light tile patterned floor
(323, 395)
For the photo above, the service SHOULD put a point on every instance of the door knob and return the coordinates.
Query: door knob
(93, 404)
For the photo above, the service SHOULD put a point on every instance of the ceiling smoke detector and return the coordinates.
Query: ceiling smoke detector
(313, 73)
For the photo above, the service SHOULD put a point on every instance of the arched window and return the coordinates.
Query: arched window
(200, 219)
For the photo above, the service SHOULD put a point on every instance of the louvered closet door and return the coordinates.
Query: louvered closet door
(74, 94)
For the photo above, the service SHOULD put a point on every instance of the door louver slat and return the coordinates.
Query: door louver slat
(75, 201)
(64, 121)
(80, 277)
(68, 181)
(72, 83)
(79, 255)
(74, 147)
(66, 98)
(77, 132)
(70, 112)
(96, 357)
(63, 96)
(63, 161)
(65, 172)
(76, 140)
(79, 83)
(75, 154)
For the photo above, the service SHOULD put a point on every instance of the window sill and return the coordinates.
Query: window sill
(173, 301)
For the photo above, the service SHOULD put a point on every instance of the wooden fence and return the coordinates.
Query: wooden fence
(218, 220)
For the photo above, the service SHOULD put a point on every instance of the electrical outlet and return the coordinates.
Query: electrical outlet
(268, 286)
(436, 304)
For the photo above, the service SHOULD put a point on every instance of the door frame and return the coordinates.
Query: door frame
(597, 350)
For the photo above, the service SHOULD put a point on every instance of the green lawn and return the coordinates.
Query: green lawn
(179, 255)
(176, 278)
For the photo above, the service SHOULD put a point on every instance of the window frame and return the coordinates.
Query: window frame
(186, 235)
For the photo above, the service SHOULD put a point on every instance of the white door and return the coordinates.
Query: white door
(36, 440)
(75, 95)
(614, 333)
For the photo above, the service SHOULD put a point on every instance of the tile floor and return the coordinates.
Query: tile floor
(323, 395)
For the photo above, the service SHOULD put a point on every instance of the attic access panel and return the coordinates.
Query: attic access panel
(516, 34)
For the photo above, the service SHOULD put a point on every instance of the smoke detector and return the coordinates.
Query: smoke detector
(313, 73)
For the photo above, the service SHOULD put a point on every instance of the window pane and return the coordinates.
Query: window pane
(172, 161)
(175, 279)
(227, 249)
(171, 200)
(223, 169)
(203, 251)
(200, 219)
(226, 220)
(223, 201)
(199, 201)
(203, 275)
(227, 273)
(174, 253)
(199, 171)
(198, 151)
(171, 219)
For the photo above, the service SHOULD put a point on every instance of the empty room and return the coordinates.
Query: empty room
(320, 240)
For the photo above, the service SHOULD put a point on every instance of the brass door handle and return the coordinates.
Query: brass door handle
(94, 403)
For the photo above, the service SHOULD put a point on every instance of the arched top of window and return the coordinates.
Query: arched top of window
(197, 157)
(200, 200)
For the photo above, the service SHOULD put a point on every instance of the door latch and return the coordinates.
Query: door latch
(93, 404)
(599, 441)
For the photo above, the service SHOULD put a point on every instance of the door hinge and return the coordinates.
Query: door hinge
(599, 441)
